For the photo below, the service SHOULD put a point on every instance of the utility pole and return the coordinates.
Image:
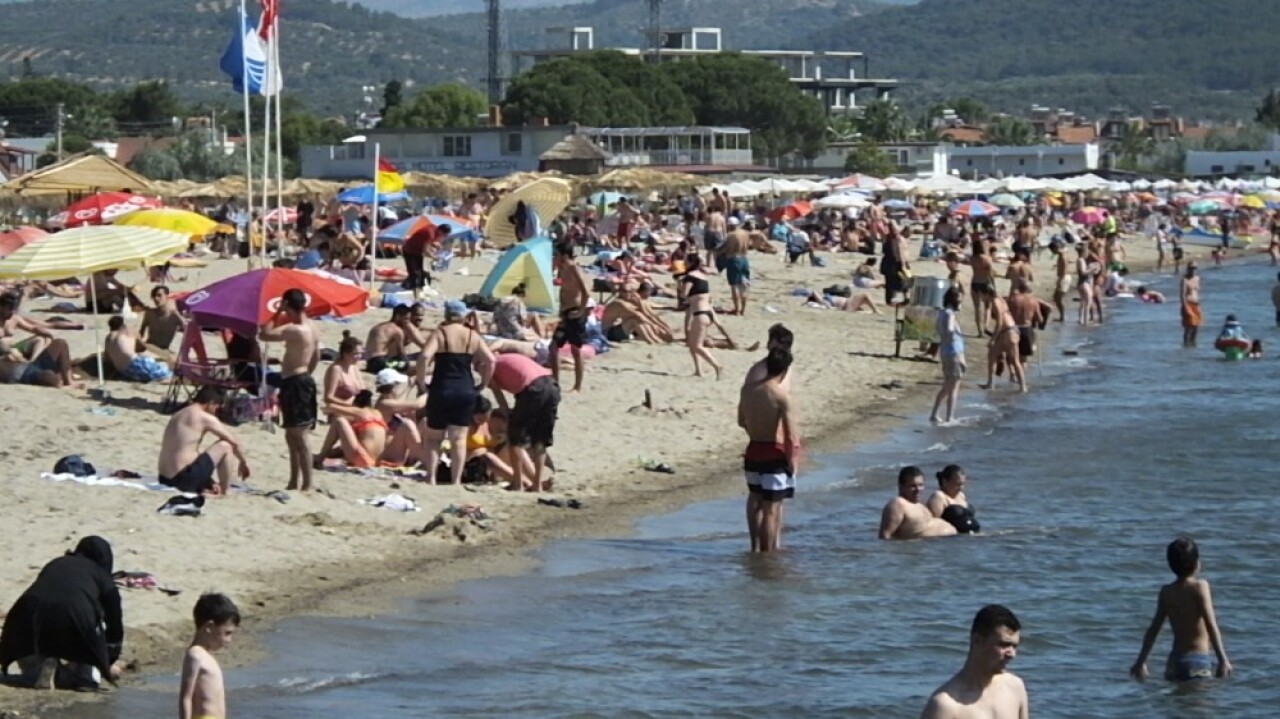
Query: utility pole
(493, 13)
(655, 31)
(57, 125)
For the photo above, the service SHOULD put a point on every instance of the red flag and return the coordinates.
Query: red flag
(270, 9)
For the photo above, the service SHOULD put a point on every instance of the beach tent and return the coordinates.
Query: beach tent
(530, 263)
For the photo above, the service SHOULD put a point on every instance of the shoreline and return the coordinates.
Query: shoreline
(863, 413)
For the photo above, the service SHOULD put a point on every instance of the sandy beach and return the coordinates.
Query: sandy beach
(333, 554)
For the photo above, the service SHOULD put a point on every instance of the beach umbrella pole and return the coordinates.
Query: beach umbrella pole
(97, 340)
(373, 218)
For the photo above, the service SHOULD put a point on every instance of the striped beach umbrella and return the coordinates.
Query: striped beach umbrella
(974, 208)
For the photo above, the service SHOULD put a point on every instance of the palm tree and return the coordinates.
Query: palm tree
(1010, 131)
(1133, 144)
(884, 121)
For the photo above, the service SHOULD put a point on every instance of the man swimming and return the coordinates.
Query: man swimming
(983, 688)
(904, 517)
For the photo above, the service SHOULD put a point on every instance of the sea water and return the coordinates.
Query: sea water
(1079, 486)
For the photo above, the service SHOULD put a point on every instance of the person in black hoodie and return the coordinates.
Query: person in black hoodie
(70, 613)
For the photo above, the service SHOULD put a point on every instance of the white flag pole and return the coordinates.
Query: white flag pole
(279, 88)
(373, 218)
(266, 156)
(248, 130)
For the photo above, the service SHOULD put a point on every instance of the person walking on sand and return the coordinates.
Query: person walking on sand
(769, 462)
(984, 687)
(1189, 294)
(737, 268)
(201, 693)
(1188, 605)
(183, 466)
(699, 316)
(299, 404)
(572, 328)
(951, 353)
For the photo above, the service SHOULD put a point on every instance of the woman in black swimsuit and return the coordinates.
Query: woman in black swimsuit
(699, 314)
(451, 352)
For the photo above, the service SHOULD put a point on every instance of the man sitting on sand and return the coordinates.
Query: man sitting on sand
(50, 367)
(128, 356)
(182, 465)
(160, 324)
(107, 294)
(904, 517)
(983, 687)
(386, 345)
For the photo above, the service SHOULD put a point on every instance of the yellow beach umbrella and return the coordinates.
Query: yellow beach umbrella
(183, 222)
(547, 197)
(1253, 202)
(88, 249)
(92, 248)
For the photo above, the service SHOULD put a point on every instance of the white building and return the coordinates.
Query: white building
(912, 158)
(1029, 161)
(498, 151)
(834, 77)
(1201, 163)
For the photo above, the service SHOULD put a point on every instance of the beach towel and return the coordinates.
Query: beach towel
(94, 480)
(394, 502)
(144, 368)
(1191, 316)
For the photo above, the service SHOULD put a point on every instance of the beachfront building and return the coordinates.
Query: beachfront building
(832, 76)
(912, 158)
(498, 151)
(1028, 161)
(1264, 161)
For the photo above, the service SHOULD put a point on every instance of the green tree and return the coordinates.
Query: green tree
(1133, 145)
(91, 120)
(752, 92)
(448, 105)
(884, 121)
(603, 88)
(31, 104)
(867, 158)
(392, 96)
(1006, 130)
(147, 108)
(967, 109)
(1268, 113)
(71, 145)
(156, 164)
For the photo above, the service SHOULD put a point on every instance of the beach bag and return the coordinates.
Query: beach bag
(74, 465)
(837, 291)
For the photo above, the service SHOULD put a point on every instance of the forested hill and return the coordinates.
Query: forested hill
(329, 49)
(1086, 54)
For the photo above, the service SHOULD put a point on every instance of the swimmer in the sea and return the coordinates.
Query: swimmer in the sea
(949, 502)
(904, 517)
(984, 687)
(1149, 296)
(1255, 350)
(1187, 604)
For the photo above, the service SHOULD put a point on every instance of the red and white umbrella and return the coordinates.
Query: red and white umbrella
(17, 238)
(284, 215)
(101, 209)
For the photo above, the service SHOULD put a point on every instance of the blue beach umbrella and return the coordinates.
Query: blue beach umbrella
(363, 195)
(398, 232)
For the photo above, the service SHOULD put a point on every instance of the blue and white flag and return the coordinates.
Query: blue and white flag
(246, 59)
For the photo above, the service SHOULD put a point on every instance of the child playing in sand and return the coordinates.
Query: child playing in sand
(1187, 604)
(202, 695)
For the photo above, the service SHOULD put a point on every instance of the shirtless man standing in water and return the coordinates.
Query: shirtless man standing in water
(766, 413)
(299, 405)
(904, 517)
(982, 689)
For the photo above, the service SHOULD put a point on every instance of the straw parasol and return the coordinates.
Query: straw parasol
(643, 179)
(441, 185)
(518, 179)
(547, 197)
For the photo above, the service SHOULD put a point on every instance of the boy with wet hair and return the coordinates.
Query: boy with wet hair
(1188, 605)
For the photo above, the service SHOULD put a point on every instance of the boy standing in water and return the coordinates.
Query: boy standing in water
(202, 695)
(1187, 604)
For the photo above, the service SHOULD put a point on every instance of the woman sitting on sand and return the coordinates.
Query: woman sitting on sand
(362, 432)
(342, 382)
(864, 276)
(404, 446)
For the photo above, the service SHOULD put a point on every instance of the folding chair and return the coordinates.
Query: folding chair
(193, 369)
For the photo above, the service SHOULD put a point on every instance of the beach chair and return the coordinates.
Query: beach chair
(442, 261)
(193, 369)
